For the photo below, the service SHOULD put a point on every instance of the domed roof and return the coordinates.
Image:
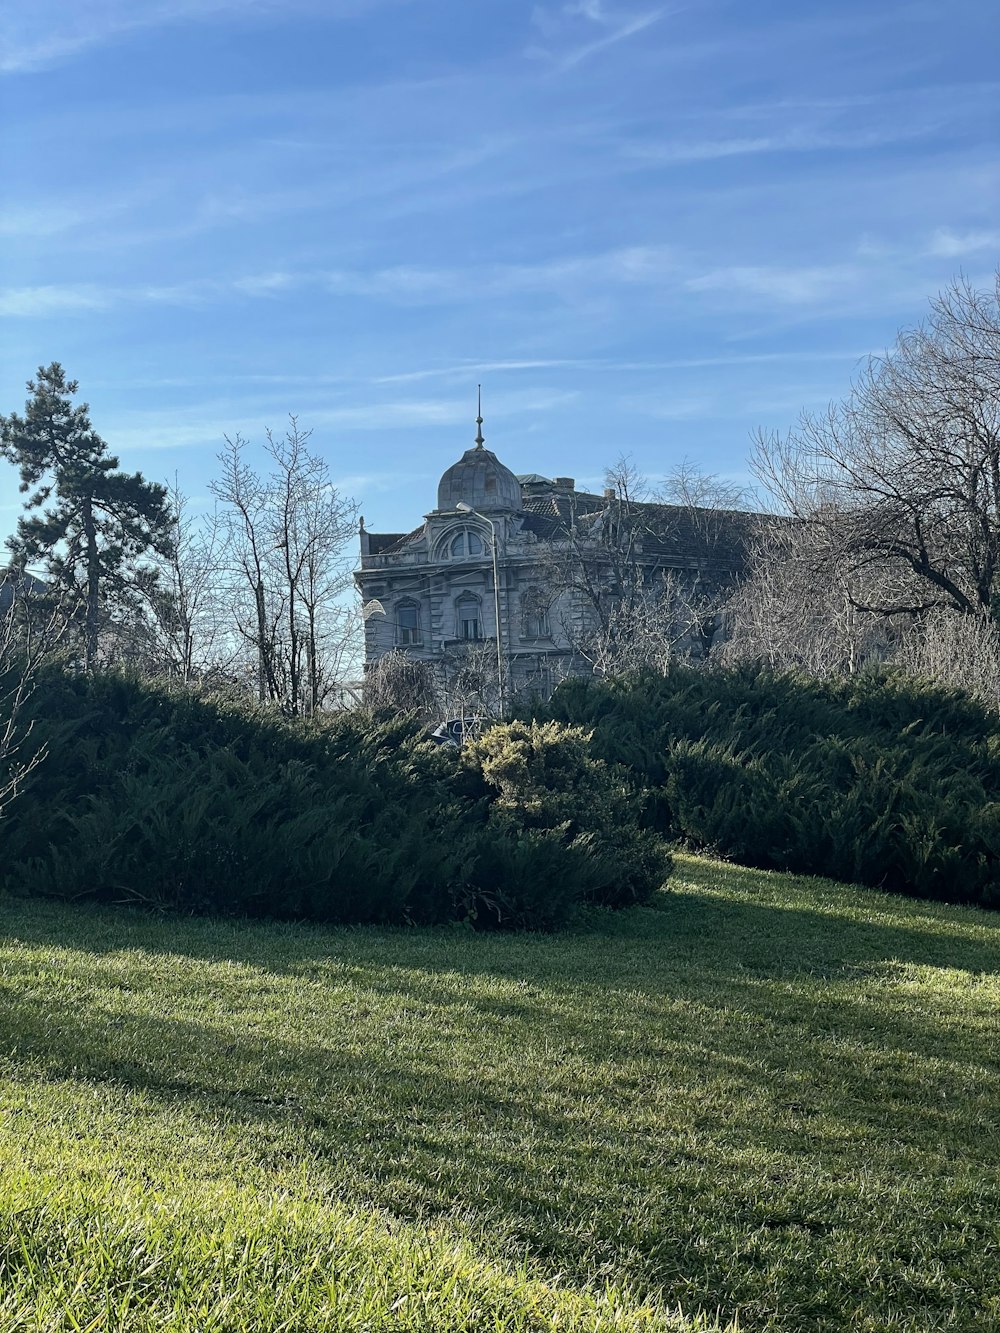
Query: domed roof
(481, 481)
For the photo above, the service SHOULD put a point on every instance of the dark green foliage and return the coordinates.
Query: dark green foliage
(163, 798)
(556, 800)
(87, 521)
(876, 779)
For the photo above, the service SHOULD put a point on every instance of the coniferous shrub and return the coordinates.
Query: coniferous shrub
(551, 791)
(159, 797)
(878, 779)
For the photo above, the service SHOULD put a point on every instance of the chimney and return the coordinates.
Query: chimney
(563, 483)
(609, 492)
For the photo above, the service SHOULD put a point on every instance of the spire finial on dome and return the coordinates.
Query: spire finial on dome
(480, 441)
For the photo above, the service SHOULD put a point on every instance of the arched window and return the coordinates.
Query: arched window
(534, 614)
(408, 623)
(468, 617)
(465, 544)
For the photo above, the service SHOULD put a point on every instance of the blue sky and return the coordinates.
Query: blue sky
(647, 229)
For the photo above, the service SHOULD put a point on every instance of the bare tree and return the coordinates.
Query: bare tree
(644, 581)
(316, 525)
(712, 515)
(795, 609)
(593, 574)
(184, 600)
(174, 622)
(468, 683)
(248, 552)
(639, 635)
(284, 551)
(903, 476)
(706, 496)
(29, 634)
(959, 651)
(403, 683)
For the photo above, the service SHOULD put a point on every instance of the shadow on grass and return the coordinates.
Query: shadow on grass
(721, 1098)
(725, 935)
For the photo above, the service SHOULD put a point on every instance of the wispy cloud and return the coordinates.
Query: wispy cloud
(40, 302)
(785, 286)
(640, 264)
(47, 220)
(264, 284)
(240, 184)
(52, 32)
(464, 369)
(793, 141)
(629, 28)
(950, 244)
(566, 30)
(204, 425)
(613, 366)
(369, 416)
(574, 281)
(736, 404)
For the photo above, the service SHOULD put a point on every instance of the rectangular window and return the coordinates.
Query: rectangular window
(470, 627)
(408, 624)
(534, 621)
(536, 625)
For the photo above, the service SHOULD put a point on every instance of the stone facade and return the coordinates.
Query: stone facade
(432, 593)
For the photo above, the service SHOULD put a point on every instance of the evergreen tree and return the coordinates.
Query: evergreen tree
(86, 520)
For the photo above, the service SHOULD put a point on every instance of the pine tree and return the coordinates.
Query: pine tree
(86, 520)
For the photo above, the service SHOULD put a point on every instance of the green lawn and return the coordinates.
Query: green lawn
(766, 1097)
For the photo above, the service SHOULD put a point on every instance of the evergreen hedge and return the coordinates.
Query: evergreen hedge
(552, 790)
(877, 779)
(160, 797)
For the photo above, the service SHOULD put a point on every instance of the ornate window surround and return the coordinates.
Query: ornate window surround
(466, 543)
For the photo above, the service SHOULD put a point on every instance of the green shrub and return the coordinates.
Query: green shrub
(552, 791)
(877, 779)
(158, 797)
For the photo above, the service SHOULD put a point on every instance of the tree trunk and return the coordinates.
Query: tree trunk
(313, 661)
(262, 672)
(92, 621)
(294, 652)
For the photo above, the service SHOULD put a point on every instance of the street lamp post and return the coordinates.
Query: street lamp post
(464, 508)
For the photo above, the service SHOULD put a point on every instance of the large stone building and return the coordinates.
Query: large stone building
(498, 551)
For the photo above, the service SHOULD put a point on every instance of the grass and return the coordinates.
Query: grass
(767, 1099)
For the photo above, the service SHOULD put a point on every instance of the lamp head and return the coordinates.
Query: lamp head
(464, 508)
